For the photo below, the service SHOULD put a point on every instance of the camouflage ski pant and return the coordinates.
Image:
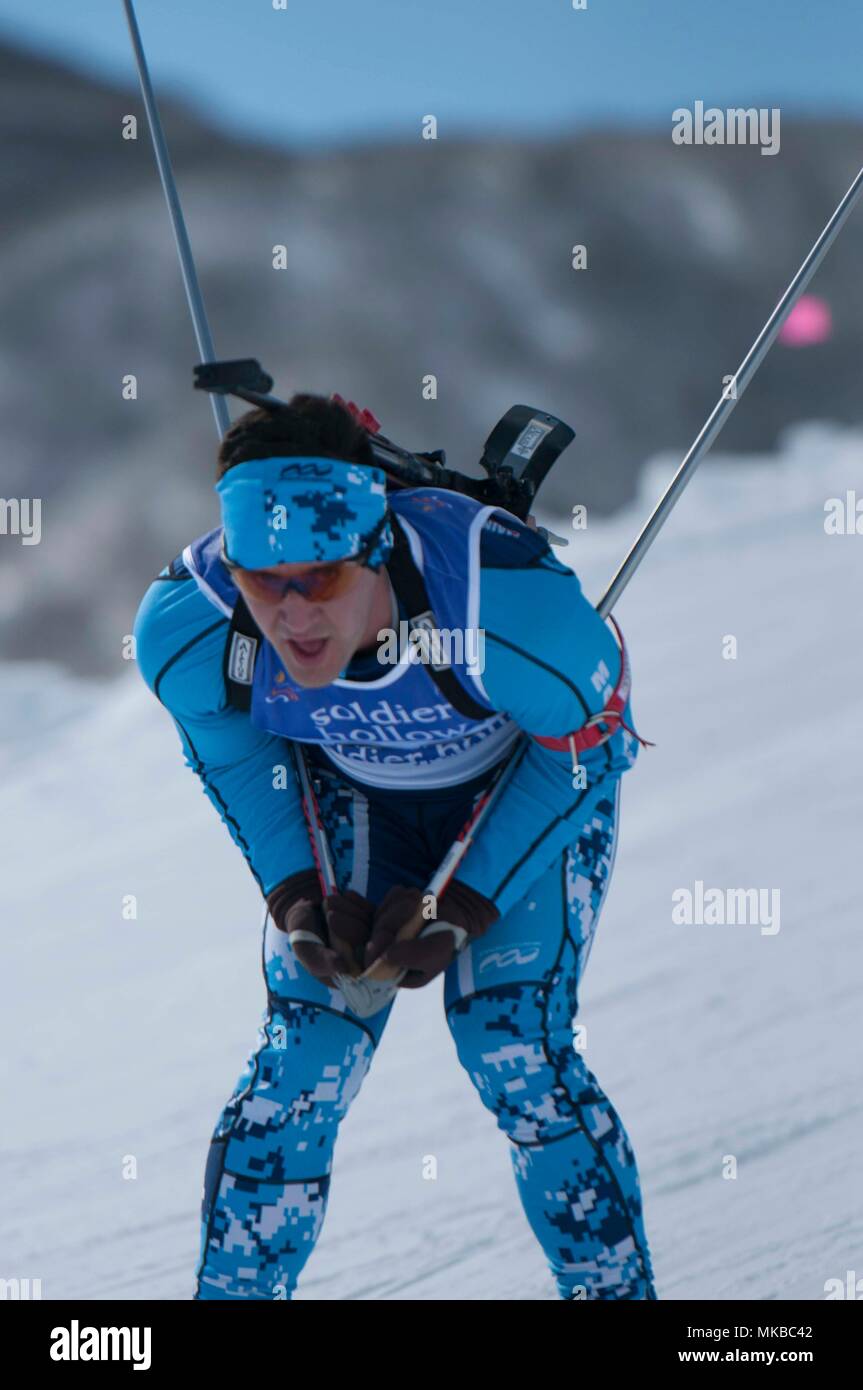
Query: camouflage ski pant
(510, 1000)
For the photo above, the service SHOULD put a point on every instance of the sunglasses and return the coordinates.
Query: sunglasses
(319, 585)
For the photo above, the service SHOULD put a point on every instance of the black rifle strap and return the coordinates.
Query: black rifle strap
(241, 650)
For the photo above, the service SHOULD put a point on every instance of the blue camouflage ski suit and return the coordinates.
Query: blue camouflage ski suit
(397, 773)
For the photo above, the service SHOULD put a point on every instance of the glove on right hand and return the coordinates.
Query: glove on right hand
(326, 935)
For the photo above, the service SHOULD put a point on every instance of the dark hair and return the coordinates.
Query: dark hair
(308, 424)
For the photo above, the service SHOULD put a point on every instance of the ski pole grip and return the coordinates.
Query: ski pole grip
(382, 969)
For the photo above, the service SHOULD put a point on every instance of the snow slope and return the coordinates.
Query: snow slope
(123, 1038)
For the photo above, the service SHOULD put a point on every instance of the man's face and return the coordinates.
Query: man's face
(316, 640)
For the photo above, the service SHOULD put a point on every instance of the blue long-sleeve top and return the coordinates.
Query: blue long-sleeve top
(550, 662)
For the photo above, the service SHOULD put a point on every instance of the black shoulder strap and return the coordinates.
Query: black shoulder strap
(410, 588)
(241, 650)
(244, 636)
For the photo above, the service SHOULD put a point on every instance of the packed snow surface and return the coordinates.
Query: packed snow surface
(123, 1036)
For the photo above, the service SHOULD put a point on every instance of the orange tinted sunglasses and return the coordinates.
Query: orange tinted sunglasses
(319, 585)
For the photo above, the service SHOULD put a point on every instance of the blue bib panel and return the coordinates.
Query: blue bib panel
(397, 730)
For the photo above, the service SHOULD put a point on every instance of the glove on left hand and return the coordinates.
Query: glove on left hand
(462, 916)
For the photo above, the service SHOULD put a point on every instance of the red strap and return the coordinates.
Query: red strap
(601, 726)
(362, 417)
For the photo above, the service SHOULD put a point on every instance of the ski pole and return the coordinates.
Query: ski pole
(440, 879)
(317, 834)
(320, 848)
(726, 403)
(367, 993)
(175, 211)
(364, 994)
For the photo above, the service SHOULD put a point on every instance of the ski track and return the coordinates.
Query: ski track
(124, 1038)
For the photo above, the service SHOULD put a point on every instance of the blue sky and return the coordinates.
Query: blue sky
(334, 71)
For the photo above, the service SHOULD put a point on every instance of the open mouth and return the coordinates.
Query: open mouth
(306, 651)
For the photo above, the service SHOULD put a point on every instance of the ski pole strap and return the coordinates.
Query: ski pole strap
(599, 727)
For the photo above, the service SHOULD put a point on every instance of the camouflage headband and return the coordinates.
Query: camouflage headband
(300, 510)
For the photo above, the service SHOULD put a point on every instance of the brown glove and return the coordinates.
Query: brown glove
(462, 916)
(326, 935)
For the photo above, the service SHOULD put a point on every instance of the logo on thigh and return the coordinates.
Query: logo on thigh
(505, 957)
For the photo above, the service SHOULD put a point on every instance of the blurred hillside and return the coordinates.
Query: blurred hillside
(403, 260)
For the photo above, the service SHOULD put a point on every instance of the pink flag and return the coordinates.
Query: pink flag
(810, 321)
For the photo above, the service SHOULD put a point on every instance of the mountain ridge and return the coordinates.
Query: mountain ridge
(449, 258)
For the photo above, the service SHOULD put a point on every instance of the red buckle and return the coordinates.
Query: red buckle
(590, 735)
(362, 417)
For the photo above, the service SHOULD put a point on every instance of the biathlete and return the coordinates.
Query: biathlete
(272, 629)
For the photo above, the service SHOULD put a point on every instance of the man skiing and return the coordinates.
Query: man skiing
(322, 562)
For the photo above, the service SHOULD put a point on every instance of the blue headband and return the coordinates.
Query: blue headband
(300, 510)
